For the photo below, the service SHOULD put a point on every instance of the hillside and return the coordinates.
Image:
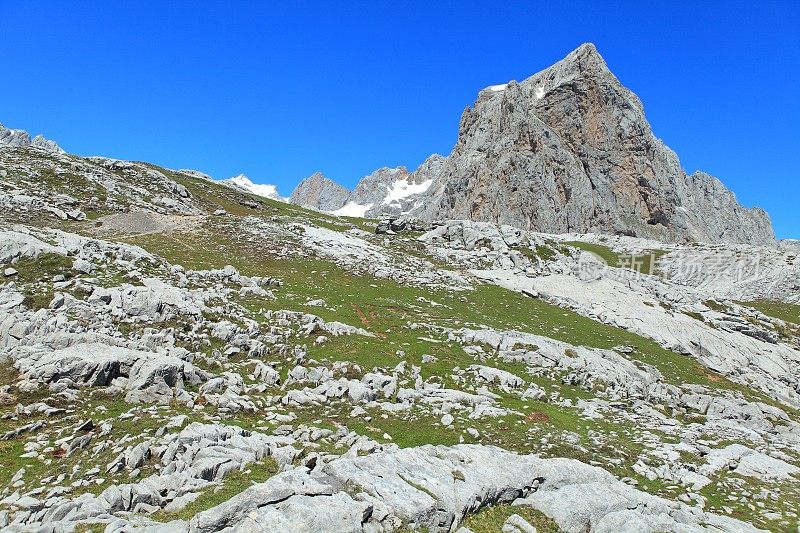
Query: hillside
(180, 355)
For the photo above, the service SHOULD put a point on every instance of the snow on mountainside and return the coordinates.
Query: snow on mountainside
(351, 209)
(403, 189)
(391, 196)
(385, 190)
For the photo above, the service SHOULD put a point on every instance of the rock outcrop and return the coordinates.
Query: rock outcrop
(21, 138)
(146, 377)
(435, 488)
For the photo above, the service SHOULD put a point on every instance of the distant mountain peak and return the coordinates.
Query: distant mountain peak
(242, 182)
(320, 193)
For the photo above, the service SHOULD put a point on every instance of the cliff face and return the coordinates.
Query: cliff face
(570, 149)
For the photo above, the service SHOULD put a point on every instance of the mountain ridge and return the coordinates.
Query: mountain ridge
(569, 149)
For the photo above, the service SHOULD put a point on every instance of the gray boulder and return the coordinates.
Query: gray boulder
(146, 376)
(15, 245)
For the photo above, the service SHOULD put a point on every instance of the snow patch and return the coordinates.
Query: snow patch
(497, 88)
(403, 189)
(539, 93)
(352, 209)
(243, 182)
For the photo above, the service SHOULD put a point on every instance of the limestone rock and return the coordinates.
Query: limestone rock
(15, 245)
(147, 377)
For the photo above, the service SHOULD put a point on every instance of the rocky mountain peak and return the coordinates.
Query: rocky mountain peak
(570, 149)
(319, 192)
(585, 58)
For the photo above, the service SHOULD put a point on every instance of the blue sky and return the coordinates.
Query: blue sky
(279, 90)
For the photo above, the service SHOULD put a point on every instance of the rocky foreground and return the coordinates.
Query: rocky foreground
(179, 355)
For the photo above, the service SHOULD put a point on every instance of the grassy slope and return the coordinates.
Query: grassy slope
(388, 304)
(784, 311)
(386, 308)
(491, 519)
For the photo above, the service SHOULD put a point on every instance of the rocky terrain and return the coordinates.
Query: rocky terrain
(567, 150)
(179, 354)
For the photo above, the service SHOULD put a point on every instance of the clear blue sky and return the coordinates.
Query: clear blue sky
(278, 90)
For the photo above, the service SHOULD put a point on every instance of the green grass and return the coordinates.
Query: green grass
(696, 316)
(545, 253)
(89, 527)
(716, 494)
(644, 263)
(30, 271)
(491, 519)
(65, 182)
(92, 404)
(43, 267)
(781, 310)
(407, 429)
(717, 306)
(34, 276)
(603, 252)
(542, 252)
(51, 174)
